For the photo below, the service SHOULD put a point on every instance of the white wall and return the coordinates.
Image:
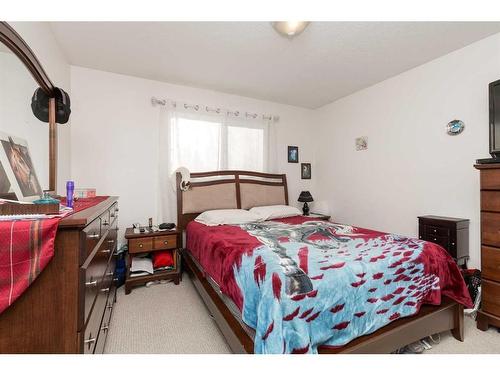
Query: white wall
(114, 133)
(41, 40)
(412, 167)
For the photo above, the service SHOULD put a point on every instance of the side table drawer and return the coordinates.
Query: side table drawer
(140, 245)
(165, 242)
(436, 231)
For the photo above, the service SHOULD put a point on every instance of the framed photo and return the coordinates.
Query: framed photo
(293, 154)
(18, 167)
(305, 171)
(4, 181)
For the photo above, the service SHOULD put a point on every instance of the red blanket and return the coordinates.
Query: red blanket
(26, 247)
(219, 249)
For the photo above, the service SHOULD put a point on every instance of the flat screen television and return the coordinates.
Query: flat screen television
(494, 98)
(495, 119)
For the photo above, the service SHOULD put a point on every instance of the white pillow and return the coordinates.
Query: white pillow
(275, 212)
(229, 217)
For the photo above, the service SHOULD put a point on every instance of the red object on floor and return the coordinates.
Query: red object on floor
(163, 259)
(26, 247)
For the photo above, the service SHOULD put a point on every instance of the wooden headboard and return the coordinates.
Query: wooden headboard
(228, 189)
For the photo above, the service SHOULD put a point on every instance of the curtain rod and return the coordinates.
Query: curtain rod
(163, 102)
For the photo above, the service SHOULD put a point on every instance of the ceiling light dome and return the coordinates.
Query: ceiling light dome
(290, 28)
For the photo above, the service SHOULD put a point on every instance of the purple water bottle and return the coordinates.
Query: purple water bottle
(70, 191)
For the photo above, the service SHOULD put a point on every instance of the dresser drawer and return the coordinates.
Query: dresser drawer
(92, 279)
(165, 242)
(90, 333)
(490, 228)
(91, 237)
(490, 263)
(490, 297)
(104, 329)
(140, 245)
(490, 179)
(490, 200)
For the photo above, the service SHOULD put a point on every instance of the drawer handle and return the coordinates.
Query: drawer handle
(140, 245)
(453, 243)
(165, 242)
(91, 284)
(110, 274)
(435, 231)
(435, 239)
(90, 341)
(94, 236)
(105, 223)
(110, 306)
(105, 290)
(105, 251)
(105, 327)
(115, 279)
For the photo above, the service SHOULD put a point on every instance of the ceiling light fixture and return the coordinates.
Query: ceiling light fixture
(290, 29)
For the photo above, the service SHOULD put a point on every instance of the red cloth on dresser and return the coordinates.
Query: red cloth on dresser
(26, 247)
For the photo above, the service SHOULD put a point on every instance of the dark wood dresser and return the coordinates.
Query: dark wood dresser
(449, 232)
(490, 246)
(68, 307)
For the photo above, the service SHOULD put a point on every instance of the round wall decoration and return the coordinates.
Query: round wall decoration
(455, 127)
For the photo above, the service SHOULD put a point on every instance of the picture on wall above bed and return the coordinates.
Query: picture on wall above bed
(305, 171)
(19, 168)
(293, 154)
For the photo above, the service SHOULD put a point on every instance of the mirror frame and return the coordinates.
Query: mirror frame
(12, 40)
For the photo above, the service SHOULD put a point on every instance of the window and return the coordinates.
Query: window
(206, 144)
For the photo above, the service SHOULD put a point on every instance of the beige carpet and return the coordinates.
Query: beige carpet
(168, 318)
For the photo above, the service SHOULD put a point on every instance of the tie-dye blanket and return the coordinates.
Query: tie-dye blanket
(309, 283)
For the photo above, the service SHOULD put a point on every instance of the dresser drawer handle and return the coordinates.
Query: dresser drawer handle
(105, 290)
(435, 231)
(105, 223)
(94, 236)
(435, 239)
(105, 327)
(141, 245)
(110, 274)
(110, 306)
(105, 251)
(91, 284)
(90, 341)
(165, 242)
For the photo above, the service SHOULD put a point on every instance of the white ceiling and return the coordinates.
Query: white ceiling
(328, 61)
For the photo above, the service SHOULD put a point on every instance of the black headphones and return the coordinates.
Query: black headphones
(40, 105)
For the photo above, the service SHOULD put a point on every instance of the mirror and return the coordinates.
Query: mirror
(24, 140)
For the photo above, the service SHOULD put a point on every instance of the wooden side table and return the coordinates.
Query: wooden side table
(147, 242)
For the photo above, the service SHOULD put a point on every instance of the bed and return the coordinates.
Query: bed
(297, 285)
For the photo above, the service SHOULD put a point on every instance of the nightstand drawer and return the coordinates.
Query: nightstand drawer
(440, 240)
(140, 245)
(165, 242)
(436, 231)
(490, 263)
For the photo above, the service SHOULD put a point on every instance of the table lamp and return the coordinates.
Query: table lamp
(305, 197)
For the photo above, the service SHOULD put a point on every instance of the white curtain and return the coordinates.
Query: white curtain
(204, 139)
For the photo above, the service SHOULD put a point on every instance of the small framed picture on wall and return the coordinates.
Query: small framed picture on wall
(305, 171)
(293, 154)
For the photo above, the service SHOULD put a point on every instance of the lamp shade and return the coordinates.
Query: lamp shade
(305, 196)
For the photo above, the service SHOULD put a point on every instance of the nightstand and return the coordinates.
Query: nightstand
(449, 232)
(148, 242)
(319, 216)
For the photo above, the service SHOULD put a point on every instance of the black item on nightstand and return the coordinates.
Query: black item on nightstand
(451, 233)
(305, 197)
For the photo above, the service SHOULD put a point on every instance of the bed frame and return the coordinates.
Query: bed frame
(238, 185)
